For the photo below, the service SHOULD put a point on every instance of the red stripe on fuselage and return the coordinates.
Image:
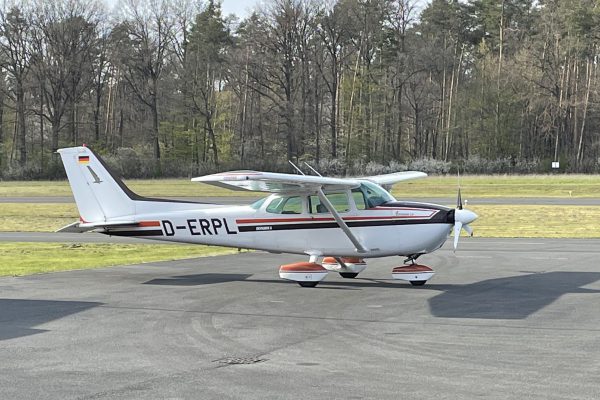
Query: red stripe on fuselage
(148, 223)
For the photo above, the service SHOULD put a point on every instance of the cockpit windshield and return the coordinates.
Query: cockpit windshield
(369, 195)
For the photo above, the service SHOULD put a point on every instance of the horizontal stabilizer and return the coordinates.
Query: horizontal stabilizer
(73, 228)
(79, 227)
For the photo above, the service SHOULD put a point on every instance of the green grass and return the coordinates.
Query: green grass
(433, 186)
(36, 217)
(31, 258)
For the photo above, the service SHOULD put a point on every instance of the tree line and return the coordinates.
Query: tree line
(172, 88)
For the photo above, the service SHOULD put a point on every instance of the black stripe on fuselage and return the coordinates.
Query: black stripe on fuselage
(329, 225)
(150, 232)
(414, 204)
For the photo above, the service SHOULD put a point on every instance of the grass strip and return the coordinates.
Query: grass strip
(536, 221)
(24, 258)
(433, 186)
(490, 186)
(36, 217)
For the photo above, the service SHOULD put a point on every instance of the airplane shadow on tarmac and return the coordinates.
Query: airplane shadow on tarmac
(198, 279)
(514, 297)
(19, 316)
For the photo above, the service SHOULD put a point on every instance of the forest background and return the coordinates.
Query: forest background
(175, 88)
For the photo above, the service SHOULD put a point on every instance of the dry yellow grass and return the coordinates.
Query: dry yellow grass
(534, 221)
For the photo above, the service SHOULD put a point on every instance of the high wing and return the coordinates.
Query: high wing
(388, 180)
(275, 182)
(288, 183)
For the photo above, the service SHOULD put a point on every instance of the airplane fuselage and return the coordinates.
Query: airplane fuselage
(393, 228)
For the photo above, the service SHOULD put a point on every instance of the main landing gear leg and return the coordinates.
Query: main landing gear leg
(347, 267)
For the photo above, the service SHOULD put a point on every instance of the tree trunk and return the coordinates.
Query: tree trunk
(21, 145)
(155, 139)
(213, 139)
(334, 111)
(1, 132)
(579, 157)
(317, 116)
(55, 131)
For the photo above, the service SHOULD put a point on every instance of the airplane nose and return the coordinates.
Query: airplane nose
(464, 216)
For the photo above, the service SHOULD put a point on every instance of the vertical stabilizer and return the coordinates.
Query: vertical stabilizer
(99, 195)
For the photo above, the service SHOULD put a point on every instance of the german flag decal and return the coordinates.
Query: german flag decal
(84, 159)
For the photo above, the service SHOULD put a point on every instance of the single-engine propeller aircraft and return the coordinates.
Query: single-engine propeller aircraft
(343, 221)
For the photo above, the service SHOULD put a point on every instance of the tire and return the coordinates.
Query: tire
(349, 275)
(417, 283)
(308, 284)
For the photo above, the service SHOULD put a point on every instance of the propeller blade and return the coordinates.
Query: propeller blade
(457, 227)
(459, 204)
(468, 229)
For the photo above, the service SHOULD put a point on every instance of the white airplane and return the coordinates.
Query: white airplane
(342, 220)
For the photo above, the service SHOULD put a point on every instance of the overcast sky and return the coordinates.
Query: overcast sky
(241, 8)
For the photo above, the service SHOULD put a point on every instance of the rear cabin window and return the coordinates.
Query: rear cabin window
(338, 200)
(285, 205)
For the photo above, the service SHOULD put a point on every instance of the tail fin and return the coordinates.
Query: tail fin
(100, 196)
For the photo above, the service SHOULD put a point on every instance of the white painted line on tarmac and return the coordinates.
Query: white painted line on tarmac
(487, 257)
(506, 243)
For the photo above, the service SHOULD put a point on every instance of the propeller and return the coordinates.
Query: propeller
(462, 217)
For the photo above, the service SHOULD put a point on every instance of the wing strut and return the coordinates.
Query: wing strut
(359, 247)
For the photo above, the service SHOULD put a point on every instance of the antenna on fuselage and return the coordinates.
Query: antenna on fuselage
(312, 169)
(297, 169)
